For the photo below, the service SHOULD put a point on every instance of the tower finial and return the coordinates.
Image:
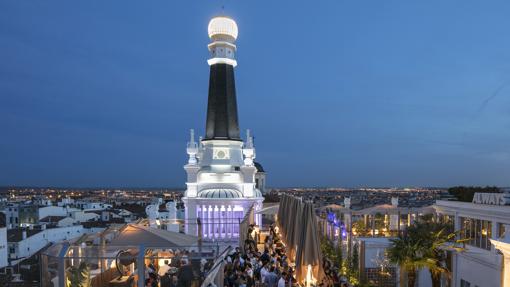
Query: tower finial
(192, 136)
(222, 31)
(192, 148)
(249, 150)
(249, 139)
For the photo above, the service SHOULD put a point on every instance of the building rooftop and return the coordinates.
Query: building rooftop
(52, 219)
(16, 235)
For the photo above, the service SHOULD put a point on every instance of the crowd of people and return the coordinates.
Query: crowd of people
(270, 266)
(257, 264)
(182, 270)
(253, 267)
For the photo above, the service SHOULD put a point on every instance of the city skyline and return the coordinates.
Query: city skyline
(352, 95)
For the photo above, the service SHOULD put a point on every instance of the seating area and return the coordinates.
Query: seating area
(137, 256)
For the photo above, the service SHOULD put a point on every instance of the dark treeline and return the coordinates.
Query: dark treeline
(466, 193)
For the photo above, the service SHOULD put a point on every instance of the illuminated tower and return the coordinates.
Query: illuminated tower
(221, 171)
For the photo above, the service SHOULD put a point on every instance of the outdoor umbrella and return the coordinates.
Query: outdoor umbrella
(244, 227)
(289, 214)
(281, 214)
(295, 224)
(308, 251)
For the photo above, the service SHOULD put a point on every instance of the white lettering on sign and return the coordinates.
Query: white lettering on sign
(491, 198)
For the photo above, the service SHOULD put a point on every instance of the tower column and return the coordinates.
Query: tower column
(191, 223)
(229, 224)
(211, 221)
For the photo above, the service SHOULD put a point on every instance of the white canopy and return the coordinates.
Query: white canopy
(135, 234)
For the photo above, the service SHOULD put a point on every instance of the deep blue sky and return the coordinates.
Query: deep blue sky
(341, 93)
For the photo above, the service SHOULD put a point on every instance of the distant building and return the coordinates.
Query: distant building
(58, 221)
(21, 214)
(486, 261)
(28, 214)
(3, 241)
(24, 242)
(65, 202)
(11, 211)
(41, 200)
(45, 211)
(88, 205)
(82, 216)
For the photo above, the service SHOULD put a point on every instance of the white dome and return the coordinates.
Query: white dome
(220, 193)
(222, 26)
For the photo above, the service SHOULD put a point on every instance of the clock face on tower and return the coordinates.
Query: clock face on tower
(221, 153)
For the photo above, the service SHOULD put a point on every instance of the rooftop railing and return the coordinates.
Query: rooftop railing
(70, 265)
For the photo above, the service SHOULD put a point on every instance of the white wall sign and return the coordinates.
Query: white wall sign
(491, 198)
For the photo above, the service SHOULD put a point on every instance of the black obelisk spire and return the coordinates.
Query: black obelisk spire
(222, 122)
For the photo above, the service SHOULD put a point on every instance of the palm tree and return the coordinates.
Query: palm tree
(406, 253)
(436, 238)
(78, 276)
(424, 246)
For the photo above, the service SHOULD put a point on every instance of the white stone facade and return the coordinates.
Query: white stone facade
(3, 247)
(29, 245)
(220, 186)
(481, 264)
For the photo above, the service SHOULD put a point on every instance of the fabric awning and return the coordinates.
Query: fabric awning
(309, 248)
(135, 234)
(299, 230)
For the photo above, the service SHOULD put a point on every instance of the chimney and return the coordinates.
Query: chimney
(347, 202)
(24, 234)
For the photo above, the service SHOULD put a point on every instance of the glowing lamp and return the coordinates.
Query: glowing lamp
(222, 26)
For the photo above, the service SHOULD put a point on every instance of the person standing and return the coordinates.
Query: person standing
(281, 282)
(263, 272)
(185, 274)
(271, 279)
(165, 280)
